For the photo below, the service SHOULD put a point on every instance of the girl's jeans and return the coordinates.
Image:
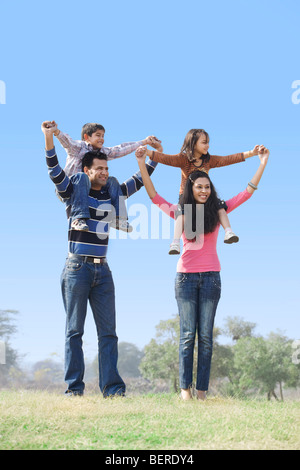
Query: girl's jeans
(197, 296)
(80, 197)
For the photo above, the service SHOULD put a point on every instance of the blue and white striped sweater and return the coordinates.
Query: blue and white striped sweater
(95, 241)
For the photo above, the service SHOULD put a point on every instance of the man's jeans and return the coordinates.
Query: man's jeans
(80, 197)
(81, 282)
(197, 296)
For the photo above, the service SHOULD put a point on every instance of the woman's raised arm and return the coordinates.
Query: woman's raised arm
(140, 154)
(263, 156)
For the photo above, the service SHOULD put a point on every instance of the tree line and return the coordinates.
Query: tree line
(249, 364)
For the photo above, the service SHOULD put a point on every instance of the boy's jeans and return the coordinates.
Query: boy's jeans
(81, 282)
(81, 189)
(197, 296)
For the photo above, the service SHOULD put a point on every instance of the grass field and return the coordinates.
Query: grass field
(40, 420)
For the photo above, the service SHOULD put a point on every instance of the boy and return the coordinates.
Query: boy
(92, 138)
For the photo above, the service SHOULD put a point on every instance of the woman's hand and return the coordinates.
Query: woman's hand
(263, 155)
(141, 153)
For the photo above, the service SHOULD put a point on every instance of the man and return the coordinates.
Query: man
(86, 275)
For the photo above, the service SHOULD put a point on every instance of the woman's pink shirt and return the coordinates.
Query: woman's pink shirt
(201, 255)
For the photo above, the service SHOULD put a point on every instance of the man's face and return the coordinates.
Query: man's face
(98, 173)
(96, 139)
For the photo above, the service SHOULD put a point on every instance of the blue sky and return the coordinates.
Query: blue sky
(144, 68)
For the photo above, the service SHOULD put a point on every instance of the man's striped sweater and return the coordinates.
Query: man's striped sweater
(95, 241)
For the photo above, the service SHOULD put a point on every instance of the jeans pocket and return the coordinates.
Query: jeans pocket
(217, 281)
(74, 264)
(180, 279)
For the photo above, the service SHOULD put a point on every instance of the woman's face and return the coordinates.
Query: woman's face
(201, 190)
(202, 145)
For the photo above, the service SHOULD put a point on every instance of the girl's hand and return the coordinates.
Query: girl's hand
(141, 153)
(255, 150)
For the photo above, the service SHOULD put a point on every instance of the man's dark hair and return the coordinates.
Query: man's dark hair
(90, 128)
(89, 157)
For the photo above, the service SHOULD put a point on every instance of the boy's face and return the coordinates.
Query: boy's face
(96, 139)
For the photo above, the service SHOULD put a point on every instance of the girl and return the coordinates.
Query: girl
(194, 155)
(198, 285)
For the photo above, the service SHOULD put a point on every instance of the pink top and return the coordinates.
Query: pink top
(200, 256)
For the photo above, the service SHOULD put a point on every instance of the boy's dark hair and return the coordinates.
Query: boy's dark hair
(89, 157)
(90, 128)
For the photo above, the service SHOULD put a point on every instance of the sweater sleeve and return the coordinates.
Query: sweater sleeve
(171, 160)
(135, 183)
(60, 179)
(216, 161)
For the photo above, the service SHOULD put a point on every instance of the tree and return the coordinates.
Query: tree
(160, 359)
(129, 360)
(264, 364)
(7, 329)
(236, 328)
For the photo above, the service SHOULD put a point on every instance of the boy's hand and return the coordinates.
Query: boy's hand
(152, 140)
(141, 153)
(155, 143)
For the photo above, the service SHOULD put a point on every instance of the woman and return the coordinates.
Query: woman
(198, 285)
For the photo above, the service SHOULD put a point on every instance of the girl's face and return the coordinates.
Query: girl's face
(202, 145)
(201, 190)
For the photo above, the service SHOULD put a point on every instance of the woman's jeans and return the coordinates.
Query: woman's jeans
(81, 282)
(80, 196)
(197, 296)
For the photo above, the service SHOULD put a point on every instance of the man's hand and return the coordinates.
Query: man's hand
(49, 127)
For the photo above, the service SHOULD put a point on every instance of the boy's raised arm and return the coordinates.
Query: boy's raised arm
(128, 147)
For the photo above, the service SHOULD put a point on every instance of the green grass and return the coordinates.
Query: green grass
(41, 420)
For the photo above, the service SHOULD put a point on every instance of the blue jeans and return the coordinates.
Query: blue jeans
(81, 282)
(197, 296)
(80, 196)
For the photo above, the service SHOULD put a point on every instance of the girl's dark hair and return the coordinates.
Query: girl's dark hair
(89, 157)
(189, 144)
(90, 128)
(211, 206)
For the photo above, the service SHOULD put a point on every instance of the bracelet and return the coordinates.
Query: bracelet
(253, 186)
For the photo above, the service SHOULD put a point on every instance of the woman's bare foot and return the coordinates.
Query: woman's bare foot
(186, 394)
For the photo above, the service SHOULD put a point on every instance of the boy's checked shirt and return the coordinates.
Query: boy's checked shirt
(77, 148)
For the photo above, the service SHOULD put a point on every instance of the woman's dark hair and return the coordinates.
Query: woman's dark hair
(189, 143)
(211, 206)
(90, 128)
(89, 157)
